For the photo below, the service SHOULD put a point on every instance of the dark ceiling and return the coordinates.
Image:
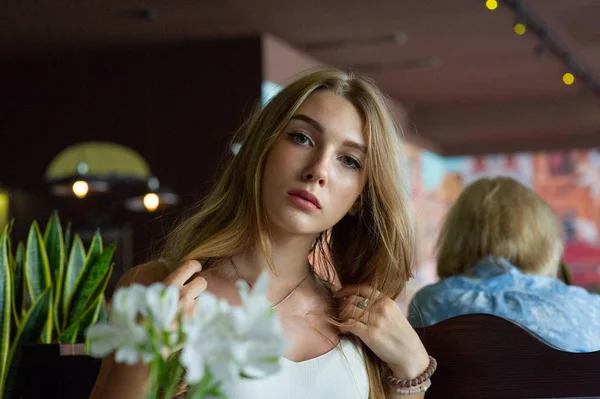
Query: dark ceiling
(470, 84)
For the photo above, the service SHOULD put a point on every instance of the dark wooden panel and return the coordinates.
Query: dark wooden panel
(483, 356)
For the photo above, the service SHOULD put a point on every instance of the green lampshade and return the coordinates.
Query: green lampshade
(104, 160)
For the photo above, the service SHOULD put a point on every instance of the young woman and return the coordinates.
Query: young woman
(318, 177)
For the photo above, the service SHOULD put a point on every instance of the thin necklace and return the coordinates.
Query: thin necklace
(240, 275)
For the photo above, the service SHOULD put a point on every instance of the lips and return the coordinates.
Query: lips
(305, 195)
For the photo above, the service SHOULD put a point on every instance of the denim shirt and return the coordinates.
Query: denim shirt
(566, 317)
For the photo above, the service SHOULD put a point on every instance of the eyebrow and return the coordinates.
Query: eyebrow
(321, 129)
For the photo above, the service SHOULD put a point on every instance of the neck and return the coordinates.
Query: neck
(290, 259)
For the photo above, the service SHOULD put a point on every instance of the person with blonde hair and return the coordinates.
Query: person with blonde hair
(499, 252)
(318, 180)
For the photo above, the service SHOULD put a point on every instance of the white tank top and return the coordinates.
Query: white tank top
(339, 373)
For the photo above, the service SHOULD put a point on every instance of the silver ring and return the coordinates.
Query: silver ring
(363, 304)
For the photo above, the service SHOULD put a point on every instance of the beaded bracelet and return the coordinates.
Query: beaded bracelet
(396, 382)
(412, 391)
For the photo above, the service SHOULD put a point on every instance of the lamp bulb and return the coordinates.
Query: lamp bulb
(80, 188)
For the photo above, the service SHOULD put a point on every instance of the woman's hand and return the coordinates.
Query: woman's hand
(384, 329)
(190, 285)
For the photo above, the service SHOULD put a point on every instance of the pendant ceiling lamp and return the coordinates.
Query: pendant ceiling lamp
(97, 168)
(92, 168)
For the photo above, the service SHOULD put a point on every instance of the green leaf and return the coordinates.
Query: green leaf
(95, 248)
(68, 238)
(18, 284)
(37, 268)
(5, 305)
(37, 273)
(171, 375)
(75, 331)
(90, 284)
(74, 268)
(55, 248)
(31, 328)
(103, 316)
(101, 287)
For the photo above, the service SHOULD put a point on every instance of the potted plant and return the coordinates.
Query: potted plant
(51, 290)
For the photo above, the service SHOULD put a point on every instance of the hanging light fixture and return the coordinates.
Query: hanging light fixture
(154, 197)
(92, 168)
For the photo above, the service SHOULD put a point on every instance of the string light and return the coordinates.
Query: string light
(491, 4)
(527, 21)
(80, 188)
(568, 78)
(520, 29)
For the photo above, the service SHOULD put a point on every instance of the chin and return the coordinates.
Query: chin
(297, 224)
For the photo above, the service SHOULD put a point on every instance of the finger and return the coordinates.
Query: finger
(188, 308)
(193, 288)
(183, 273)
(355, 299)
(355, 327)
(363, 290)
(351, 311)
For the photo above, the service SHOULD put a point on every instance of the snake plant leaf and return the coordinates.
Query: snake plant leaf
(37, 268)
(68, 238)
(55, 248)
(18, 284)
(95, 296)
(100, 288)
(37, 273)
(95, 248)
(75, 332)
(31, 328)
(73, 270)
(93, 274)
(103, 315)
(94, 251)
(5, 305)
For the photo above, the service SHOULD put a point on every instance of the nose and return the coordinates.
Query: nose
(317, 171)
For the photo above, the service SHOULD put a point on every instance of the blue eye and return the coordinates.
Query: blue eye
(299, 138)
(351, 162)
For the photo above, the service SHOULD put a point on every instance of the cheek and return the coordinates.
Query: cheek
(348, 186)
(278, 164)
(277, 157)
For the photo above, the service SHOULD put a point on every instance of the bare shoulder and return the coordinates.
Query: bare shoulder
(144, 274)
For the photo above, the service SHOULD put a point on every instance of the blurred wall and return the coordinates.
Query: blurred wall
(176, 104)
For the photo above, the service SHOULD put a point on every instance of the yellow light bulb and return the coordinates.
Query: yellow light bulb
(491, 4)
(568, 78)
(520, 29)
(80, 188)
(151, 201)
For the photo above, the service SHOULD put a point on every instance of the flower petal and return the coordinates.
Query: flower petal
(103, 339)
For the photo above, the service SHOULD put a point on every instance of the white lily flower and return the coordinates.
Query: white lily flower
(235, 342)
(205, 332)
(161, 305)
(121, 332)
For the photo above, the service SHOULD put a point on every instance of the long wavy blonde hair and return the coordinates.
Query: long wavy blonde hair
(374, 247)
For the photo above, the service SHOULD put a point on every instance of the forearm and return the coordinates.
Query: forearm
(120, 381)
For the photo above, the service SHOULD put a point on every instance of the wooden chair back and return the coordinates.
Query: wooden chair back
(484, 356)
